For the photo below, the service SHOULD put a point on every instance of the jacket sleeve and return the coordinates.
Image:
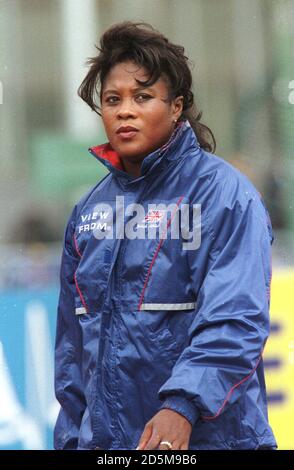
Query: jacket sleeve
(68, 351)
(231, 322)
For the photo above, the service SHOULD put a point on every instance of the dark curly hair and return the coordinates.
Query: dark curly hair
(147, 47)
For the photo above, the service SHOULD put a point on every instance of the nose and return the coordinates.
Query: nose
(126, 110)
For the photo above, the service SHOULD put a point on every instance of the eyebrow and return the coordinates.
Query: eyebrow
(133, 89)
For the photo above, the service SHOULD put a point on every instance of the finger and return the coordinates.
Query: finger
(184, 446)
(177, 445)
(145, 437)
(154, 441)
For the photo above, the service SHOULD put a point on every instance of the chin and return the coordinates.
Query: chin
(131, 153)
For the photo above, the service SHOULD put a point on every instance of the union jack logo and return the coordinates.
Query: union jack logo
(153, 216)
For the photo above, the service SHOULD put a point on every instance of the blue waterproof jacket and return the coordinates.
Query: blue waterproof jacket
(145, 324)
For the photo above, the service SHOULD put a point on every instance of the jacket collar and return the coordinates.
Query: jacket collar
(182, 136)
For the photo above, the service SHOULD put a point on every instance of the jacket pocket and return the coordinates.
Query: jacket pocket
(167, 324)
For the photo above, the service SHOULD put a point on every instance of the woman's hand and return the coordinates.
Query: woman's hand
(166, 425)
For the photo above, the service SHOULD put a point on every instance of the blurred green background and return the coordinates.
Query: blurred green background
(243, 67)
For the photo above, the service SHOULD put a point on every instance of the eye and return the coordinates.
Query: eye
(144, 96)
(139, 97)
(108, 100)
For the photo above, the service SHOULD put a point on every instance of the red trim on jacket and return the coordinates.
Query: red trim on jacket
(106, 151)
(80, 294)
(209, 418)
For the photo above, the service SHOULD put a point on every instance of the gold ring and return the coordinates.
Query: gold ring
(166, 443)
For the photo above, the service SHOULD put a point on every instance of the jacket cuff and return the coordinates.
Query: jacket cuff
(183, 406)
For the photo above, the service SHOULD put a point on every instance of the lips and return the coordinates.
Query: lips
(127, 132)
(126, 129)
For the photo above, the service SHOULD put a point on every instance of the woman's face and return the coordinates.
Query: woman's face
(125, 103)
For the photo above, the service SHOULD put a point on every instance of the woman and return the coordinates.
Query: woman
(160, 337)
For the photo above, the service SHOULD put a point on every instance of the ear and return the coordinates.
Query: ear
(178, 107)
